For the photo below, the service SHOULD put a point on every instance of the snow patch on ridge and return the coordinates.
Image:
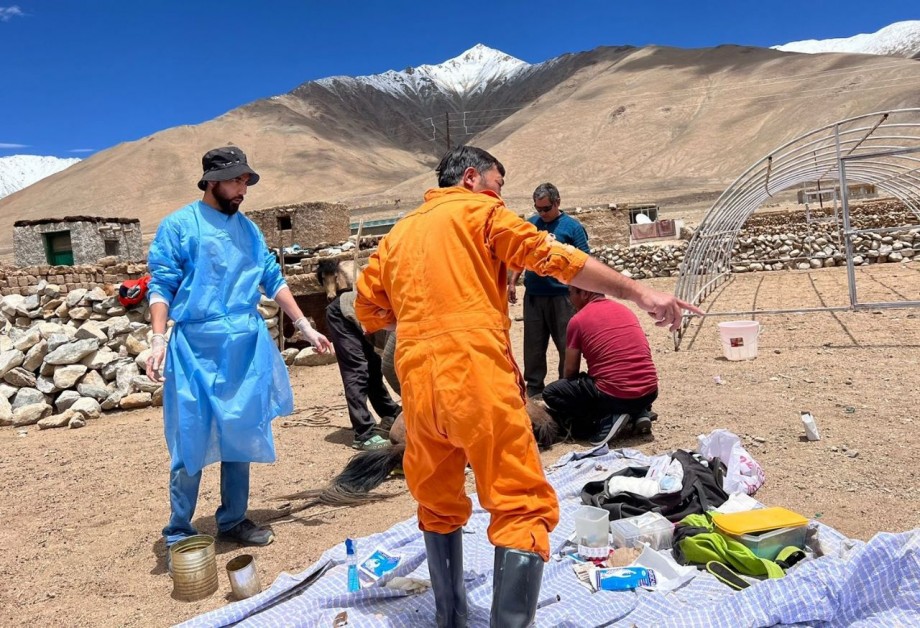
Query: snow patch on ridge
(19, 171)
(463, 75)
(901, 39)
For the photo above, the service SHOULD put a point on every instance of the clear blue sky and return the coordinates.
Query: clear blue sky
(84, 75)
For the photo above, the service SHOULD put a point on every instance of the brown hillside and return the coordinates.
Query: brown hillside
(665, 122)
(609, 124)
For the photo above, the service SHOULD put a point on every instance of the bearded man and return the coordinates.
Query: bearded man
(225, 379)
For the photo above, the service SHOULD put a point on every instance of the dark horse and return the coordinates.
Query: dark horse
(370, 469)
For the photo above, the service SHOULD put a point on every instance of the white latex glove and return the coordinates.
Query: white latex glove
(156, 358)
(319, 341)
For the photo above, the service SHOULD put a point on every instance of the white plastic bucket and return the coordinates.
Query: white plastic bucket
(739, 339)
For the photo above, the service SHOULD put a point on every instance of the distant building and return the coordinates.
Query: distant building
(76, 240)
(814, 193)
(305, 224)
(625, 224)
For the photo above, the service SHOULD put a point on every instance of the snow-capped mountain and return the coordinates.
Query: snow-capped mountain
(467, 74)
(19, 171)
(424, 107)
(901, 39)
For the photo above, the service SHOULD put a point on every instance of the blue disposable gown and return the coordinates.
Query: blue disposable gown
(225, 380)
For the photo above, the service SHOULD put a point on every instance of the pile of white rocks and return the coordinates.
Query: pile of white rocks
(67, 357)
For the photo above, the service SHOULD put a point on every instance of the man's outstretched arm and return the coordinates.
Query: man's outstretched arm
(665, 308)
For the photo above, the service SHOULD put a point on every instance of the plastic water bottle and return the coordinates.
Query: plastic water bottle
(351, 560)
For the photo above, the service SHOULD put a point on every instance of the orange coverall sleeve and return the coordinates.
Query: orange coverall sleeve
(520, 245)
(372, 305)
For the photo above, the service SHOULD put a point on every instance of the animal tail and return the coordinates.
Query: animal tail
(362, 474)
(369, 469)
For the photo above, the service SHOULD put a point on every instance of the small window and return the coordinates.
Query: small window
(111, 247)
(649, 214)
(284, 223)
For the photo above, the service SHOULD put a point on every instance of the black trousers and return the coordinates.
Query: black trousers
(544, 318)
(578, 405)
(360, 367)
(389, 364)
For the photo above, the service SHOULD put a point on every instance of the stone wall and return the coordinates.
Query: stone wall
(67, 356)
(300, 271)
(309, 225)
(88, 236)
(786, 241)
(107, 271)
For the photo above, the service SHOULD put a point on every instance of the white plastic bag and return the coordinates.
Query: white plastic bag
(743, 473)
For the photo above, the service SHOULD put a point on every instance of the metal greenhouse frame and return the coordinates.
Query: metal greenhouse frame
(881, 148)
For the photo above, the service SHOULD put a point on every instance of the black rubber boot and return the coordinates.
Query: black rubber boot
(445, 566)
(516, 588)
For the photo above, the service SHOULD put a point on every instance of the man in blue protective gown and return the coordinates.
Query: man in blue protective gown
(224, 378)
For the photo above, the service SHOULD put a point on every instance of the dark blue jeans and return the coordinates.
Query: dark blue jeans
(183, 496)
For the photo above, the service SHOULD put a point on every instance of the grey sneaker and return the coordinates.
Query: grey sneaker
(247, 533)
(643, 425)
(611, 425)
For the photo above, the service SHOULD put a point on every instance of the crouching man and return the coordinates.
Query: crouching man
(621, 384)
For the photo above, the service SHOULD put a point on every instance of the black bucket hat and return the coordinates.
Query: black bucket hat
(223, 164)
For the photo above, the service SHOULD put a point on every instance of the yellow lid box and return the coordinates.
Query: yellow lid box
(761, 520)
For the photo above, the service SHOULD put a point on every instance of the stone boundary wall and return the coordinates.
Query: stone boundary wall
(300, 272)
(785, 241)
(108, 271)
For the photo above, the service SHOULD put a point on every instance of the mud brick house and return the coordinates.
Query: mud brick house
(304, 224)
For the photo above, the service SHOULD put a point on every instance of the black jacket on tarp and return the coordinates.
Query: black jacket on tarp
(702, 490)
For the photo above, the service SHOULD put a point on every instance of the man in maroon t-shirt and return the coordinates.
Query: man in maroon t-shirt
(621, 382)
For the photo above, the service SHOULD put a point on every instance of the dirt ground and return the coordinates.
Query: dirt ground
(82, 510)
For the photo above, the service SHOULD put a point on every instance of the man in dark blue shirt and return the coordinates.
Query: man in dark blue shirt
(547, 308)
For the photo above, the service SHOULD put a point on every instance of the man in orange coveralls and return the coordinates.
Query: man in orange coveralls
(440, 276)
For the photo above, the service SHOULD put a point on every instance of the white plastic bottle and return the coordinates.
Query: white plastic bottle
(811, 428)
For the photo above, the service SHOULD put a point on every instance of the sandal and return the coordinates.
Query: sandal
(373, 443)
